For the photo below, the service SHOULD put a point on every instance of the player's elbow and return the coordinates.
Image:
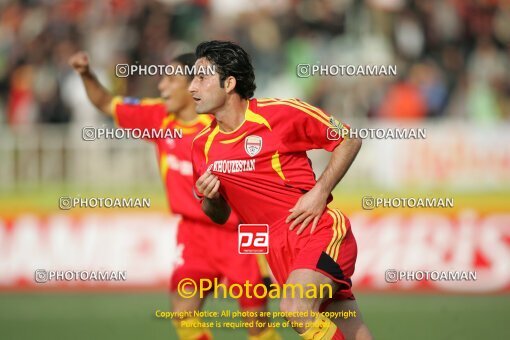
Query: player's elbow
(105, 106)
(354, 143)
(357, 143)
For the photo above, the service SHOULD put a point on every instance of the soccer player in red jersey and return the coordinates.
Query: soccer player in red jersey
(253, 158)
(207, 247)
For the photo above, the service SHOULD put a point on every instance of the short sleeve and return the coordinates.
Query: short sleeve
(305, 127)
(133, 113)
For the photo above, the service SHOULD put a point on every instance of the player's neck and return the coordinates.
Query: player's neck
(187, 114)
(231, 116)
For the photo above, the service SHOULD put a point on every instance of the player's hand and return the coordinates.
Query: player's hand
(80, 62)
(209, 185)
(308, 208)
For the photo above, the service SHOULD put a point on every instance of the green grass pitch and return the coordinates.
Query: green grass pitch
(124, 316)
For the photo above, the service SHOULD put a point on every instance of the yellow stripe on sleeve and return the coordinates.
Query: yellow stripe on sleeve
(299, 107)
(297, 102)
(311, 107)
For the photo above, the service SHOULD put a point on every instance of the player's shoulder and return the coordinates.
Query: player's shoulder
(269, 105)
(201, 137)
(148, 105)
(291, 108)
(139, 101)
(197, 124)
(152, 102)
(142, 112)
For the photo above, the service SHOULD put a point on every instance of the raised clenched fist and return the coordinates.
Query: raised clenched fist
(80, 62)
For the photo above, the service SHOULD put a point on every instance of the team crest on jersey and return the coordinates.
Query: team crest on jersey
(253, 145)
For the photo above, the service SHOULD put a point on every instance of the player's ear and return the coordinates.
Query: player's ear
(229, 84)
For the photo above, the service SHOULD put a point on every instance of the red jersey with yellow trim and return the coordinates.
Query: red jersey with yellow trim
(174, 154)
(262, 165)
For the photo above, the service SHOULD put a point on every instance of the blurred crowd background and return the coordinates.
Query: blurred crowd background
(451, 56)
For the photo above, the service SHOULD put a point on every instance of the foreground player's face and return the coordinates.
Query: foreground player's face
(205, 88)
(174, 91)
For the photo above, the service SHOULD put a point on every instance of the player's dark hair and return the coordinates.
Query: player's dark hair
(230, 59)
(186, 60)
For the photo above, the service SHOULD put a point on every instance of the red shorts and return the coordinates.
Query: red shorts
(209, 252)
(330, 250)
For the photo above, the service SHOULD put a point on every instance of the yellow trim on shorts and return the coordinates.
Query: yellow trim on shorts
(339, 229)
(335, 232)
(336, 249)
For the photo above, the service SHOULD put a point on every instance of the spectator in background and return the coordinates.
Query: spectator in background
(403, 101)
(21, 107)
(434, 39)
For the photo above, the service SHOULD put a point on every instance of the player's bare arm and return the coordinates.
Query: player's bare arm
(213, 205)
(311, 205)
(98, 95)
